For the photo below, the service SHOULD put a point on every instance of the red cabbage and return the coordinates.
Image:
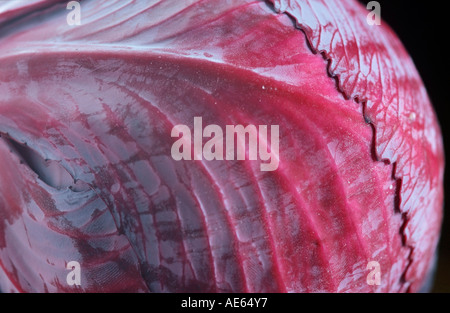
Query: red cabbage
(87, 114)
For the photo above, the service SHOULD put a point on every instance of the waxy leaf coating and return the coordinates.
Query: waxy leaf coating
(87, 175)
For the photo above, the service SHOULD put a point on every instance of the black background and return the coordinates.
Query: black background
(423, 28)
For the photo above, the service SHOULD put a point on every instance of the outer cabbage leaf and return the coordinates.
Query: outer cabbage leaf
(99, 100)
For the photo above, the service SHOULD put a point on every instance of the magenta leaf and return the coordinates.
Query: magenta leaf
(87, 175)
